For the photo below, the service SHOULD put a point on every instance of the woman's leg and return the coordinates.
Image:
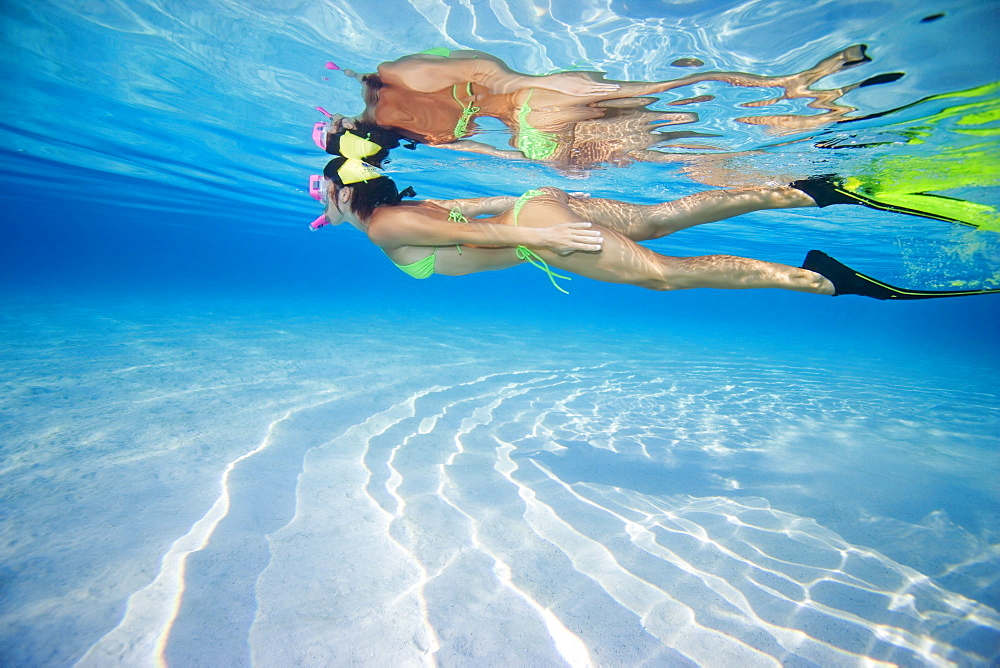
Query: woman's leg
(641, 222)
(624, 261)
(795, 85)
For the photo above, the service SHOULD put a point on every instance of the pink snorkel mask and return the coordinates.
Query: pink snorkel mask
(317, 183)
(318, 191)
(321, 128)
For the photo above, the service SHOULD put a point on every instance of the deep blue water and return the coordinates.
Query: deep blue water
(227, 441)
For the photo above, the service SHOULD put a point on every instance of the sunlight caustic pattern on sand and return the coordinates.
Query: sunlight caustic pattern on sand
(446, 521)
(685, 510)
(142, 635)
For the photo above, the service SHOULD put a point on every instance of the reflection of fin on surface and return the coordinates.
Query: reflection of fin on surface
(846, 281)
(965, 104)
(830, 189)
(881, 79)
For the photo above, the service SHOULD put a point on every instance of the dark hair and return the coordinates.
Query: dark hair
(387, 139)
(367, 195)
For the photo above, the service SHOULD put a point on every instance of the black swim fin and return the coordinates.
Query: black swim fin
(829, 189)
(826, 189)
(846, 281)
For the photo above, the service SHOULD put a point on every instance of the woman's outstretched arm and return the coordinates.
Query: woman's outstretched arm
(477, 206)
(396, 227)
(472, 146)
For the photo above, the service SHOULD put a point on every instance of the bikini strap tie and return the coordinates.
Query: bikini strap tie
(468, 111)
(455, 216)
(527, 255)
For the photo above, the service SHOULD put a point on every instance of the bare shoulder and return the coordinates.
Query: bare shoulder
(383, 221)
(425, 73)
(398, 71)
(393, 226)
(391, 72)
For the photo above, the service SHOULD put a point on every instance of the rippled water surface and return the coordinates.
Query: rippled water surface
(227, 441)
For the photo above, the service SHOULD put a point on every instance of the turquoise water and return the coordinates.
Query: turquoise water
(228, 441)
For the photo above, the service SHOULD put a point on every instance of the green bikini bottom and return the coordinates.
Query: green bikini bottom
(532, 142)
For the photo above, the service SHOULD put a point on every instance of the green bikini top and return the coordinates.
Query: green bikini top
(421, 268)
(425, 268)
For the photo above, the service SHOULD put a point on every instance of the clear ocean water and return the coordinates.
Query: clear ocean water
(228, 441)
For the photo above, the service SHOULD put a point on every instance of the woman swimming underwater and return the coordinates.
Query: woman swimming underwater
(591, 237)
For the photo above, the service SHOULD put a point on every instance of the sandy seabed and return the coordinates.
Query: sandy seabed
(204, 488)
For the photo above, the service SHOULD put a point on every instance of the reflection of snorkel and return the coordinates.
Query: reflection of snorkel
(346, 71)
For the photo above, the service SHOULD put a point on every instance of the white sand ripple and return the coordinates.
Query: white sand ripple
(261, 497)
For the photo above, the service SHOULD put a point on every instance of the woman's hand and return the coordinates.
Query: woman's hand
(471, 146)
(571, 237)
(578, 84)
